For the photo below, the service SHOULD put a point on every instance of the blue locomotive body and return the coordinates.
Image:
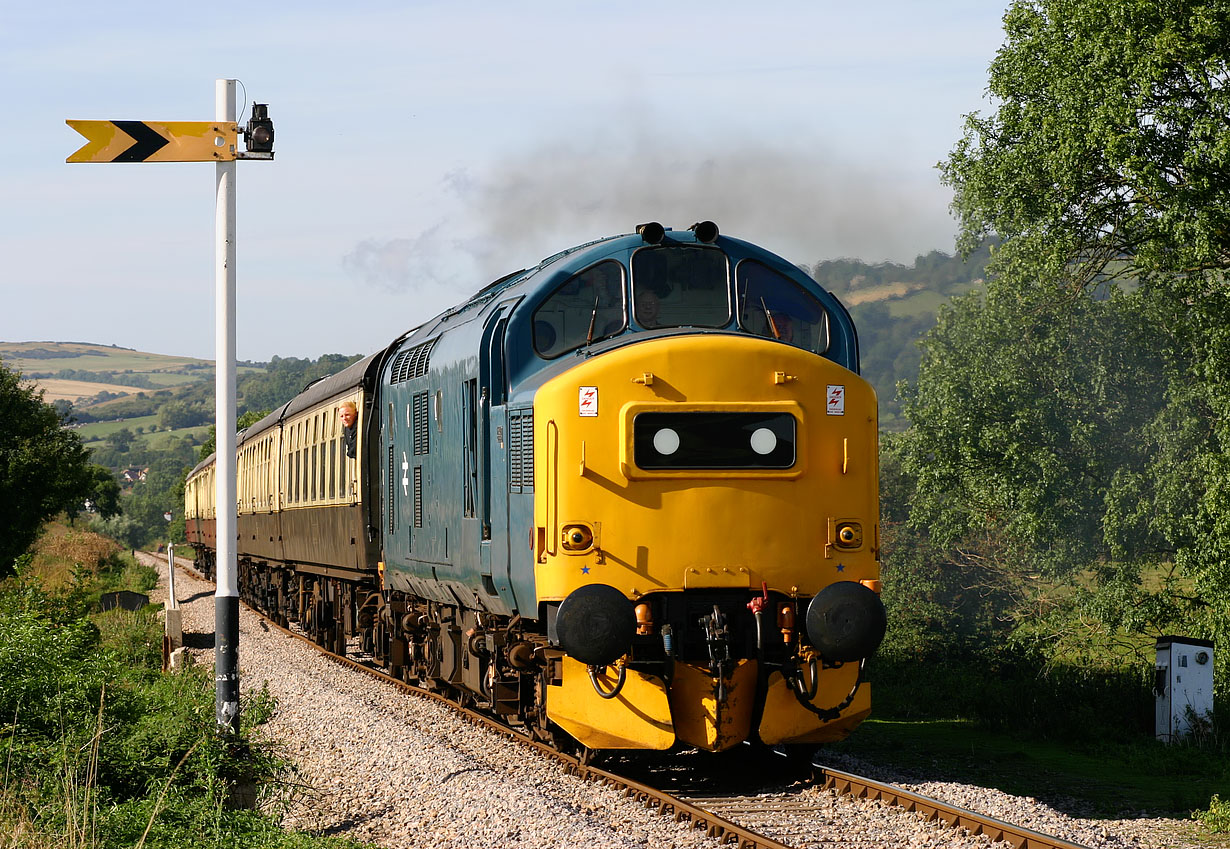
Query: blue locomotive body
(629, 494)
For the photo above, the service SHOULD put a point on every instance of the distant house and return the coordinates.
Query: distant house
(134, 474)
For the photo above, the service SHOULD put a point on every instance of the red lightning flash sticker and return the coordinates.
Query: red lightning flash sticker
(587, 401)
(837, 400)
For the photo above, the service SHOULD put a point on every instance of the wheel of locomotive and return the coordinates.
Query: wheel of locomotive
(283, 602)
(542, 728)
(339, 639)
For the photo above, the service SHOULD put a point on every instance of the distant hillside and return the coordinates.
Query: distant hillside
(149, 417)
(85, 373)
(893, 306)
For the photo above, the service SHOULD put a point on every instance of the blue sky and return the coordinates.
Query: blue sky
(424, 149)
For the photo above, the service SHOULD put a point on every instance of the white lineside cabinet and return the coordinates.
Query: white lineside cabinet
(1184, 679)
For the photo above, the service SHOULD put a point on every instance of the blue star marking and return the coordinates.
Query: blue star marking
(841, 567)
(584, 570)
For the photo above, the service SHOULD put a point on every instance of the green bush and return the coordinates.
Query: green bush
(101, 746)
(1217, 817)
(1015, 691)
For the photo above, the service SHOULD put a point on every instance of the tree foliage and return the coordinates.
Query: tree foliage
(43, 467)
(1110, 147)
(1081, 409)
(1028, 413)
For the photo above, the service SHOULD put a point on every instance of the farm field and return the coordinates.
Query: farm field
(54, 356)
(98, 431)
(72, 390)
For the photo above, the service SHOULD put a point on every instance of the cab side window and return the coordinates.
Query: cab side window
(589, 306)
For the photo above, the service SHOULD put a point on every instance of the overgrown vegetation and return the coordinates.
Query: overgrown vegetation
(1216, 818)
(1059, 499)
(101, 748)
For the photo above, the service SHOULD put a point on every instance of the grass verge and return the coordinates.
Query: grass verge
(1092, 779)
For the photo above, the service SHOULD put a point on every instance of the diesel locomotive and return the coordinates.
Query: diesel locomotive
(625, 499)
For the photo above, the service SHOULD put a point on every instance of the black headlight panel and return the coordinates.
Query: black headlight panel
(714, 440)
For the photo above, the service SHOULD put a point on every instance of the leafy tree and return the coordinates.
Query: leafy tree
(121, 440)
(1110, 149)
(43, 467)
(210, 445)
(104, 491)
(285, 378)
(1105, 163)
(174, 415)
(1025, 414)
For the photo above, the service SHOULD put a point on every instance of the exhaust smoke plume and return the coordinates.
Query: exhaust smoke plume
(805, 204)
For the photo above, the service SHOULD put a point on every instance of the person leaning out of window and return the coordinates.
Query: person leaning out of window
(349, 416)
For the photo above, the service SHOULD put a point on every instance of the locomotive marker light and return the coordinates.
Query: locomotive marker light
(205, 141)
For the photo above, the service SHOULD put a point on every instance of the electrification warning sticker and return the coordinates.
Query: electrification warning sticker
(837, 400)
(587, 401)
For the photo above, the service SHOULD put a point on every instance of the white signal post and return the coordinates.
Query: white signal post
(226, 598)
(201, 141)
(172, 601)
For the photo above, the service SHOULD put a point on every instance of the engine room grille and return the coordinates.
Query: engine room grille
(412, 362)
(418, 496)
(419, 414)
(521, 451)
(392, 491)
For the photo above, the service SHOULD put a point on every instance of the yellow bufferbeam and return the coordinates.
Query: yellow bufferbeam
(786, 721)
(156, 141)
(700, 718)
(638, 718)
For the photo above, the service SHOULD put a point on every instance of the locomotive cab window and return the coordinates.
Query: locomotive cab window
(680, 286)
(589, 306)
(772, 305)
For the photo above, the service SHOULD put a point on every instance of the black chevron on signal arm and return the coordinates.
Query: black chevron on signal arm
(146, 141)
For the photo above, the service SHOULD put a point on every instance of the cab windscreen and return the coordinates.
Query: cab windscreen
(714, 440)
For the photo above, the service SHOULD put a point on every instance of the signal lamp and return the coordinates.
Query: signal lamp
(258, 134)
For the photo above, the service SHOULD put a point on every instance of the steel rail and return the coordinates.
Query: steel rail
(858, 787)
(724, 830)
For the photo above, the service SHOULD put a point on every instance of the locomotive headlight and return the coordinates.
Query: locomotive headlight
(666, 441)
(763, 441)
(577, 538)
(849, 535)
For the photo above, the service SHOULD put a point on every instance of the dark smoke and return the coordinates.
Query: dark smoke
(805, 204)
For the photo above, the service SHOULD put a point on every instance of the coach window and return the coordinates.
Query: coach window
(301, 463)
(318, 460)
(289, 457)
(772, 305)
(586, 308)
(680, 286)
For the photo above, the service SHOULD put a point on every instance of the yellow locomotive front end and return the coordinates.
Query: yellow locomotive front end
(706, 541)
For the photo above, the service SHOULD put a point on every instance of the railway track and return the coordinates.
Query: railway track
(729, 814)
